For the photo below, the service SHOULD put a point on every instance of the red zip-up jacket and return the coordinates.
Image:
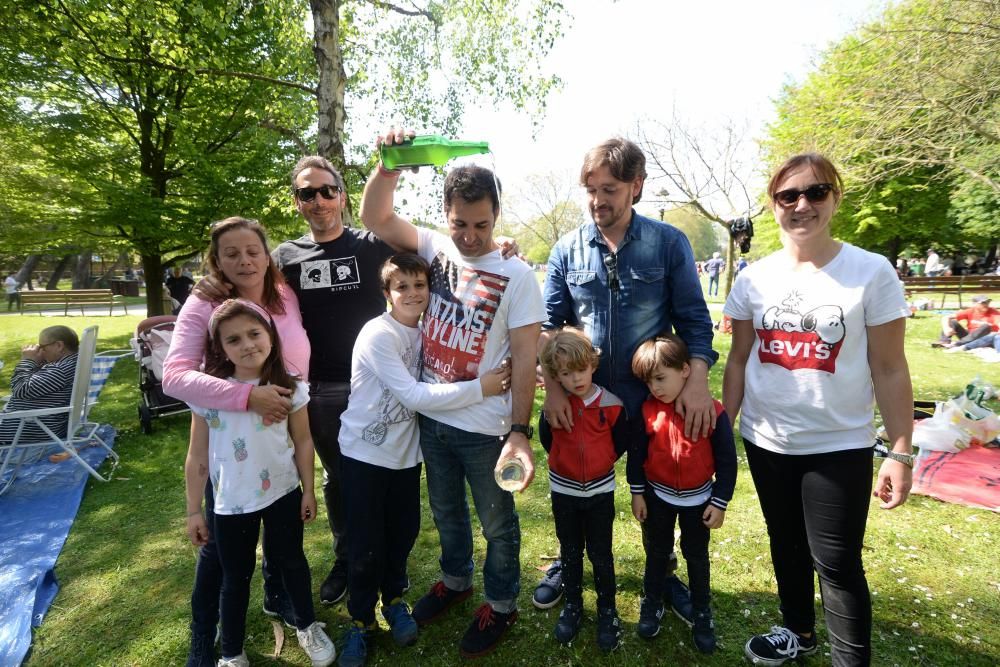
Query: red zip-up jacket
(678, 467)
(582, 460)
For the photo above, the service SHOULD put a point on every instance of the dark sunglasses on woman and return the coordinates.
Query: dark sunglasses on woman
(814, 195)
(308, 194)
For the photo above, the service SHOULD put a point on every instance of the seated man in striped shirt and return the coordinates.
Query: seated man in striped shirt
(42, 379)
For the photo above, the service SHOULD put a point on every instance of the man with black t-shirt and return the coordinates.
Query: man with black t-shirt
(334, 272)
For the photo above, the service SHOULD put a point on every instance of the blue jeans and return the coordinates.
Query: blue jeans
(713, 285)
(452, 457)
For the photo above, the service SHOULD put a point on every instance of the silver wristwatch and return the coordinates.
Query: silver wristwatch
(882, 450)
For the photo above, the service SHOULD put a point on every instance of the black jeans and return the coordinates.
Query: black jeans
(327, 402)
(208, 578)
(236, 537)
(586, 522)
(384, 526)
(816, 507)
(658, 541)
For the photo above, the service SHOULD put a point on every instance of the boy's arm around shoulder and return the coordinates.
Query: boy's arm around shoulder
(724, 455)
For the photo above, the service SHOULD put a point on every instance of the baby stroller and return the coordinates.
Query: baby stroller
(151, 342)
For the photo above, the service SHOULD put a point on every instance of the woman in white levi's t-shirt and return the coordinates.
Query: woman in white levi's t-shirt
(818, 340)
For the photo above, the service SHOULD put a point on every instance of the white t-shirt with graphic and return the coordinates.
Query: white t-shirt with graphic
(380, 426)
(808, 386)
(251, 465)
(475, 302)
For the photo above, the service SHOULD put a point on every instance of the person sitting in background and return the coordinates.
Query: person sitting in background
(980, 320)
(42, 379)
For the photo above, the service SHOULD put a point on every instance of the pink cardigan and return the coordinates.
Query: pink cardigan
(182, 375)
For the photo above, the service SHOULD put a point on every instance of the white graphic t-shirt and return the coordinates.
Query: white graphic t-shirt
(475, 301)
(380, 424)
(251, 465)
(808, 386)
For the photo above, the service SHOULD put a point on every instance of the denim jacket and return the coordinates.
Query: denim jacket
(657, 291)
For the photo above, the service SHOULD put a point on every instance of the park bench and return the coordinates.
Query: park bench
(70, 297)
(945, 285)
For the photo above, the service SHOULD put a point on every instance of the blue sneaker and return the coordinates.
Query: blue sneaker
(404, 628)
(355, 650)
(549, 591)
(678, 596)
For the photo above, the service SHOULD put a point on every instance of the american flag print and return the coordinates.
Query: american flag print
(464, 302)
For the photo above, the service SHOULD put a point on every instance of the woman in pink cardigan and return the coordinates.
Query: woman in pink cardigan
(238, 256)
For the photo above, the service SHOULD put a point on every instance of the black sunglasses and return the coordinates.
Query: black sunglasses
(308, 194)
(814, 194)
(611, 264)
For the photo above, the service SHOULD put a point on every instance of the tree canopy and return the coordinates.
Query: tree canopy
(144, 121)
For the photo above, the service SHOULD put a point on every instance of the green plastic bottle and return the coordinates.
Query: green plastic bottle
(428, 150)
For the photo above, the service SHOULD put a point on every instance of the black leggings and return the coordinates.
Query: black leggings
(816, 507)
(236, 537)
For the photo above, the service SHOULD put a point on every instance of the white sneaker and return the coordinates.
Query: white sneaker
(238, 661)
(317, 644)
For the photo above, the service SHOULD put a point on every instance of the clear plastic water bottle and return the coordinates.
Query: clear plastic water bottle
(510, 475)
(428, 150)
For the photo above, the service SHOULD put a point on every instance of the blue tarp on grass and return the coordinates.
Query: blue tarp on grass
(36, 514)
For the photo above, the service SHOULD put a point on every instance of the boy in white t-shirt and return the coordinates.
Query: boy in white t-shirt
(380, 452)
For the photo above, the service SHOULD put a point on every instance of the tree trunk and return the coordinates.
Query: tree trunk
(152, 269)
(23, 276)
(730, 264)
(58, 271)
(81, 272)
(332, 82)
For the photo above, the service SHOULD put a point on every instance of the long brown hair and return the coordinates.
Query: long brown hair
(218, 364)
(272, 277)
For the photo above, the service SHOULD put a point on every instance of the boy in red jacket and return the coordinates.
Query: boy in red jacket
(582, 479)
(671, 477)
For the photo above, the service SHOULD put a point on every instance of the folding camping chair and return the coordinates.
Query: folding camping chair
(91, 373)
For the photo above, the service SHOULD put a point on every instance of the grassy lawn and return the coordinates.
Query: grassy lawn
(126, 570)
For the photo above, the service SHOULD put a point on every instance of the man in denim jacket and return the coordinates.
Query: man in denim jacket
(625, 278)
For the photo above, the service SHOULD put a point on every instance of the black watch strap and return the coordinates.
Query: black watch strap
(525, 429)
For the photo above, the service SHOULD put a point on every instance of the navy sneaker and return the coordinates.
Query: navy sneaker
(488, 627)
(404, 628)
(550, 589)
(703, 631)
(568, 624)
(202, 651)
(650, 615)
(355, 650)
(436, 602)
(678, 596)
(778, 647)
(609, 629)
(334, 587)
